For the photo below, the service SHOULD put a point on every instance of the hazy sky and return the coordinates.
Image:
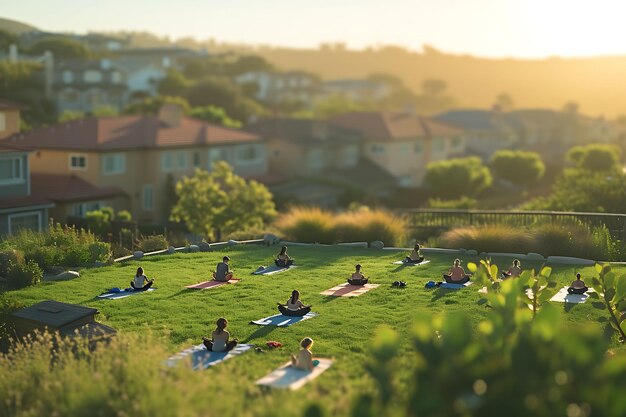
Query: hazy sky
(517, 28)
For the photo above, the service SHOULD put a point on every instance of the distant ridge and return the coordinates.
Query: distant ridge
(16, 27)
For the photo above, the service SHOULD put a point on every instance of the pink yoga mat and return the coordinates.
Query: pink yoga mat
(210, 284)
(347, 290)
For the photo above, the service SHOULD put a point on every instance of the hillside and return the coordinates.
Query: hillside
(15, 26)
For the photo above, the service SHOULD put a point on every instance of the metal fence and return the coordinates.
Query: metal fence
(443, 219)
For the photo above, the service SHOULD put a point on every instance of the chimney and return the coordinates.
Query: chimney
(170, 115)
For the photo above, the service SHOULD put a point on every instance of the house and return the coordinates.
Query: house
(403, 143)
(142, 156)
(86, 85)
(321, 160)
(27, 199)
(275, 87)
(358, 90)
(485, 131)
(67, 319)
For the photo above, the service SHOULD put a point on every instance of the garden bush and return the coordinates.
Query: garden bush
(313, 225)
(153, 243)
(24, 274)
(7, 257)
(7, 307)
(251, 233)
(547, 239)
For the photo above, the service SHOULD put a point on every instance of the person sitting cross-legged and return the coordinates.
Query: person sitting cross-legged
(283, 260)
(304, 360)
(578, 286)
(514, 271)
(415, 256)
(140, 279)
(219, 341)
(294, 306)
(456, 274)
(222, 271)
(357, 278)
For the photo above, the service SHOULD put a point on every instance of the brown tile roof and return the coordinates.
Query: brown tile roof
(382, 125)
(9, 147)
(128, 132)
(11, 105)
(435, 128)
(68, 188)
(20, 202)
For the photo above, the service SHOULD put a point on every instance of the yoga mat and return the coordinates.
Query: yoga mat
(210, 284)
(282, 320)
(564, 297)
(273, 269)
(410, 264)
(288, 377)
(348, 290)
(449, 286)
(123, 294)
(201, 358)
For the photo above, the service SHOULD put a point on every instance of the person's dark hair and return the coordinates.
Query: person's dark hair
(417, 247)
(578, 275)
(306, 342)
(283, 250)
(457, 260)
(225, 258)
(516, 262)
(139, 272)
(221, 325)
(357, 266)
(295, 296)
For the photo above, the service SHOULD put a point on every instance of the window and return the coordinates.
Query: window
(68, 77)
(247, 154)
(92, 76)
(457, 143)
(96, 97)
(350, 155)
(418, 147)
(81, 210)
(315, 159)
(147, 197)
(217, 154)
(167, 161)
(116, 77)
(78, 162)
(11, 171)
(181, 160)
(3, 122)
(114, 164)
(196, 159)
(405, 181)
(30, 220)
(378, 149)
(439, 145)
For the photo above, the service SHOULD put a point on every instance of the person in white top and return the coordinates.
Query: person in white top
(219, 341)
(294, 306)
(138, 282)
(304, 360)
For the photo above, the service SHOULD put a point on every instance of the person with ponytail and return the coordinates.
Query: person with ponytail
(219, 341)
(294, 306)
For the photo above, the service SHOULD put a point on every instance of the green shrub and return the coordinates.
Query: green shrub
(99, 252)
(373, 225)
(23, 275)
(497, 238)
(458, 204)
(118, 251)
(8, 256)
(98, 221)
(124, 216)
(7, 329)
(308, 225)
(48, 256)
(252, 233)
(153, 243)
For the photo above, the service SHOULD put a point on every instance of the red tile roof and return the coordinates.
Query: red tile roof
(435, 128)
(69, 188)
(382, 125)
(128, 132)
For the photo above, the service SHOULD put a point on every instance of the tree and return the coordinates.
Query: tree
(61, 48)
(248, 63)
(518, 167)
(105, 111)
(7, 39)
(434, 87)
(504, 101)
(69, 115)
(595, 157)
(174, 84)
(214, 114)
(221, 202)
(337, 104)
(455, 178)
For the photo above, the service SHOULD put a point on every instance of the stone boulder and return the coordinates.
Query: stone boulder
(204, 246)
(232, 242)
(472, 252)
(377, 244)
(138, 254)
(194, 248)
(270, 239)
(171, 250)
(532, 256)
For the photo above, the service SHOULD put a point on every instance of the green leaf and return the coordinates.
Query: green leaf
(620, 287)
(599, 305)
(609, 294)
(594, 295)
(494, 270)
(546, 271)
(472, 267)
(596, 283)
(609, 280)
(598, 268)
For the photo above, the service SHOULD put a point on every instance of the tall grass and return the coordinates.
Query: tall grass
(314, 225)
(546, 239)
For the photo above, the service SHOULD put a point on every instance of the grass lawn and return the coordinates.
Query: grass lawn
(343, 329)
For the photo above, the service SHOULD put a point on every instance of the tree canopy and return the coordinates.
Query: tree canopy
(221, 202)
(455, 178)
(518, 167)
(595, 157)
(61, 48)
